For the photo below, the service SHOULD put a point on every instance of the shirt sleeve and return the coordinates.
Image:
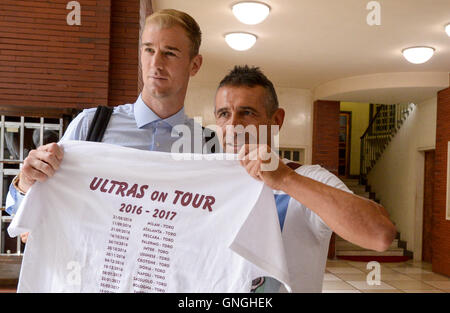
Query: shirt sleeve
(27, 216)
(77, 130)
(13, 200)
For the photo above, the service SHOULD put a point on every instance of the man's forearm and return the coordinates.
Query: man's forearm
(354, 218)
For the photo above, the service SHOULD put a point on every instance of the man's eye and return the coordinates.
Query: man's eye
(223, 114)
(170, 54)
(148, 50)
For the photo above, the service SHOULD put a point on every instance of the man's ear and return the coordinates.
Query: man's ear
(278, 117)
(196, 63)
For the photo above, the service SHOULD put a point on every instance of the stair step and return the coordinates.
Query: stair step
(350, 182)
(370, 253)
(357, 189)
(364, 195)
(345, 245)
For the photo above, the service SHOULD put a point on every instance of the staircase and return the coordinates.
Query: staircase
(382, 128)
(346, 250)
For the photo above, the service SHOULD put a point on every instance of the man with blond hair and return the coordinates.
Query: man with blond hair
(169, 46)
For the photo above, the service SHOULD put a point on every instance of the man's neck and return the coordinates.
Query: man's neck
(165, 107)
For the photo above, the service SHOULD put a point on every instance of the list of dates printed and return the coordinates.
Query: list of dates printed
(153, 231)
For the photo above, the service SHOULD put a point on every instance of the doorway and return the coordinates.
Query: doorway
(345, 127)
(428, 197)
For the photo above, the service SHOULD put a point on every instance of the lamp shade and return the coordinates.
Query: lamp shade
(251, 12)
(418, 55)
(240, 41)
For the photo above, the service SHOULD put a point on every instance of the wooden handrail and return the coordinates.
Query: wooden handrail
(372, 120)
(373, 146)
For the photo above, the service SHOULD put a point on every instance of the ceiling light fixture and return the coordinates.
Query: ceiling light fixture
(240, 41)
(251, 12)
(418, 55)
(447, 29)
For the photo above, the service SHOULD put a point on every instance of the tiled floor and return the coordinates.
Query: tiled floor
(351, 277)
(345, 277)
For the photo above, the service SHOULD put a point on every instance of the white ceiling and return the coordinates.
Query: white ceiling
(306, 43)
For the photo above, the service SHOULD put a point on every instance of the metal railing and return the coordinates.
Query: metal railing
(383, 126)
(13, 150)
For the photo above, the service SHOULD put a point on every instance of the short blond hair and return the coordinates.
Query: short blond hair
(169, 17)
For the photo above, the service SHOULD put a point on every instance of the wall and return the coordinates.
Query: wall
(325, 146)
(298, 125)
(44, 62)
(441, 226)
(360, 122)
(199, 102)
(397, 178)
(124, 48)
(296, 131)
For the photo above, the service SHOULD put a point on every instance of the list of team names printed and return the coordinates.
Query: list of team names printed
(154, 259)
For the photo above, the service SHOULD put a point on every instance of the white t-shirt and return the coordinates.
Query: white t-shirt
(306, 237)
(116, 219)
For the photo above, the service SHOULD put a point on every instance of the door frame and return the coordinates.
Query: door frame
(428, 241)
(349, 143)
(418, 223)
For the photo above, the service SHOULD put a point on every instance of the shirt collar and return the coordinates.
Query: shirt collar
(144, 115)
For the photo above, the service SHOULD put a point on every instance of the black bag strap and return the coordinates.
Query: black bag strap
(208, 138)
(99, 123)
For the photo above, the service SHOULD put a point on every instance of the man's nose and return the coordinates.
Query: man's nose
(234, 126)
(157, 60)
(234, 120)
